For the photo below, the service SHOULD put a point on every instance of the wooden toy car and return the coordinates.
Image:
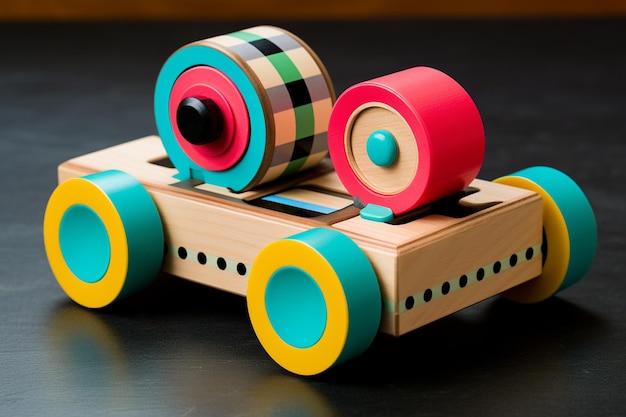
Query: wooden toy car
(237, 193)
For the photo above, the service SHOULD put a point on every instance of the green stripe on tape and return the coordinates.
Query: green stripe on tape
(293, 167)
(285, 67)
(305, 121)
(246, 36)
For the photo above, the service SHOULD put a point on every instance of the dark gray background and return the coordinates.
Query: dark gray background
(550, 92)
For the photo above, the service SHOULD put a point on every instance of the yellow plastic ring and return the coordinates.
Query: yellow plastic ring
(321, 355)
(289, 277)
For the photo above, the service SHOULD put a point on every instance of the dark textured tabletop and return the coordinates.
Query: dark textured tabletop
(550, 93)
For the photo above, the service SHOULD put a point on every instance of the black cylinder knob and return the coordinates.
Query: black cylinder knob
(199, 121)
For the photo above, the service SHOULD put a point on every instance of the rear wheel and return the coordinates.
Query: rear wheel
(103, 237)
(313, 300)
(570, 232)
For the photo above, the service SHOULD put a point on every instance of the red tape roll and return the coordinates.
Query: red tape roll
(436, 125)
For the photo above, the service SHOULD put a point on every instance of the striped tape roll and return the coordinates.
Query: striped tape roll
(245, 108)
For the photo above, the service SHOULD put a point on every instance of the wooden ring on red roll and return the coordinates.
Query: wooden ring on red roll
(437, 129)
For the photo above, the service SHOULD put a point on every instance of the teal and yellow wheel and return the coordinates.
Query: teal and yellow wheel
(313, 300)
(570, 232)
(103, 237)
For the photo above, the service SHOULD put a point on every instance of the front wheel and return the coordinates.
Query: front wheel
(103, 237)
(313, 300)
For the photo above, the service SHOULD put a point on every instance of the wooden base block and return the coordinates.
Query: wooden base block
(427, 268)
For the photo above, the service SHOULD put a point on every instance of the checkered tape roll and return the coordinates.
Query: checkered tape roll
(274, 97)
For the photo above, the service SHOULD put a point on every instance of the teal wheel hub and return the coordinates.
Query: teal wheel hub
(85, 243)
(296, 307)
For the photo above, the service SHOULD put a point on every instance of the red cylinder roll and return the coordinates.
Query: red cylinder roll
(433, 140)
